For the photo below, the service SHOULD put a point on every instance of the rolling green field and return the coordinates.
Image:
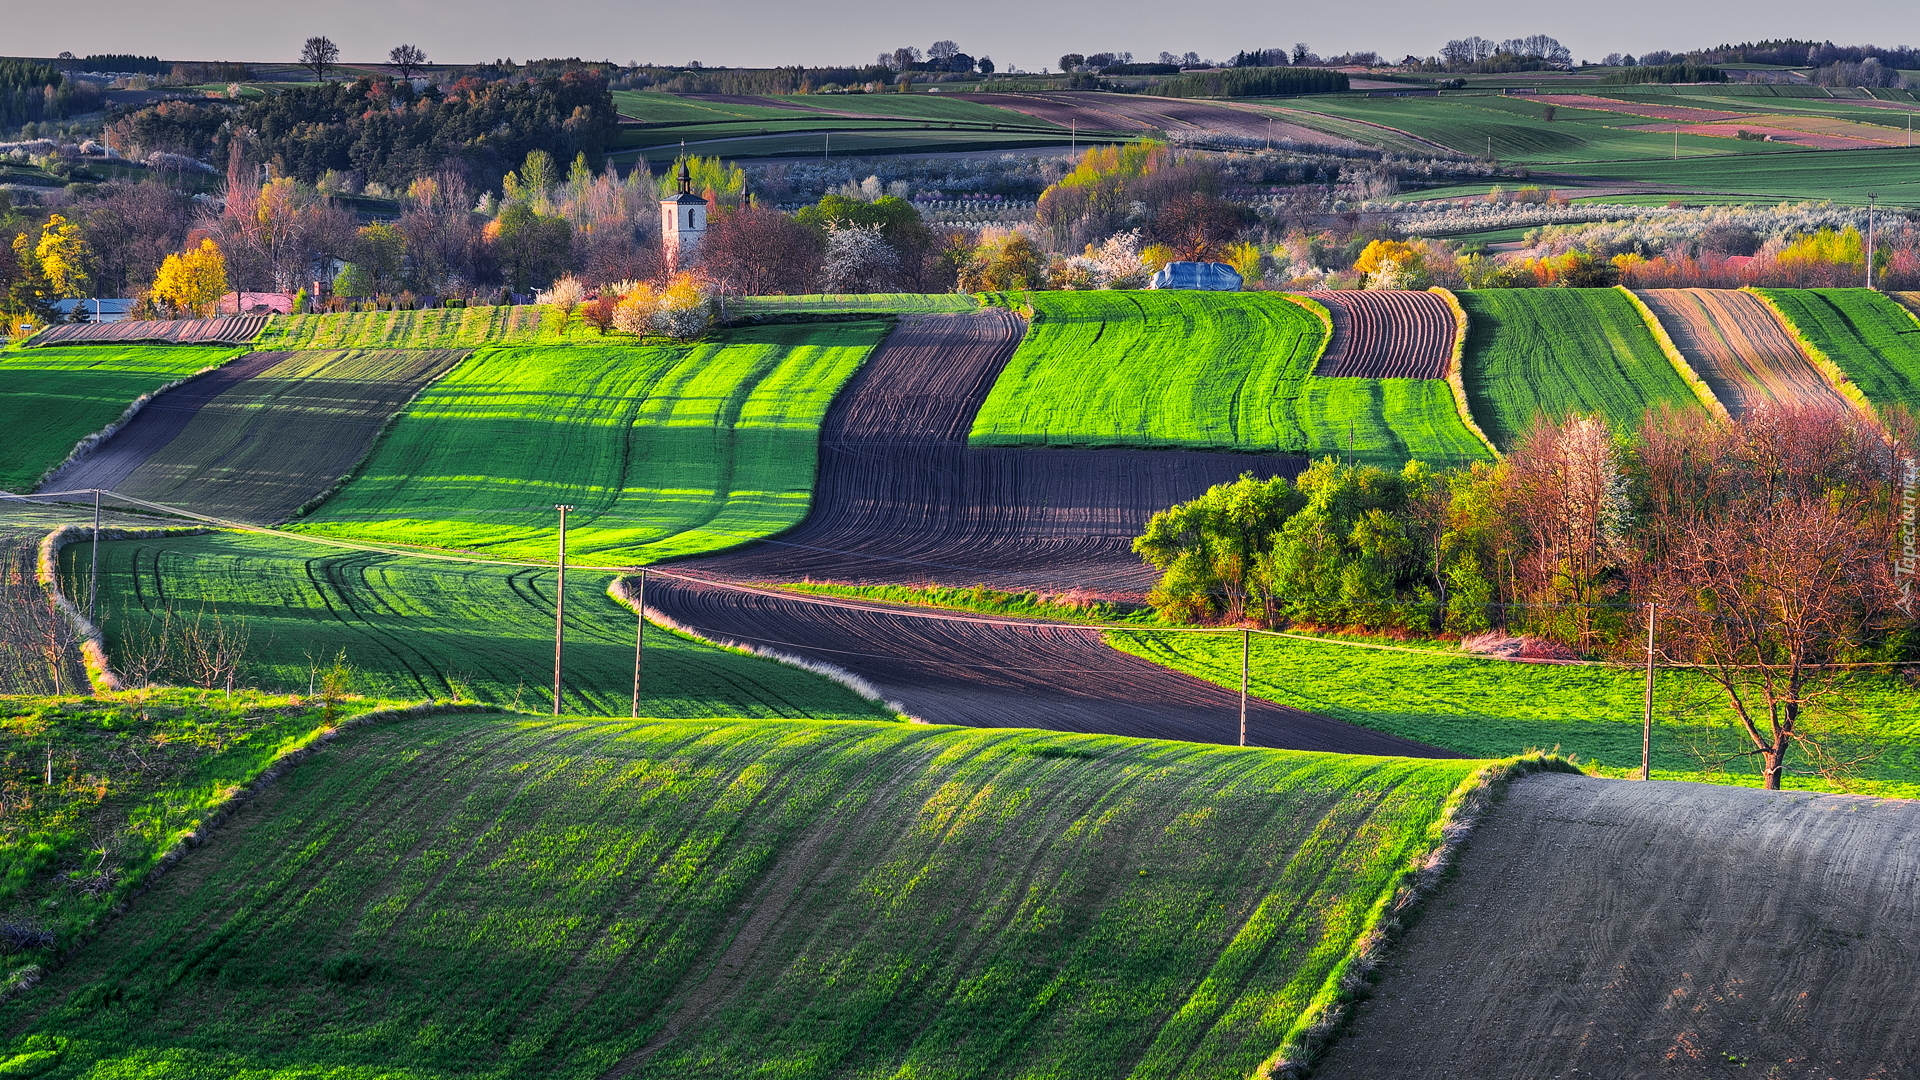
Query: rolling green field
(1845, 176)
(318, 410)
(492, 897)
(141, 771)
(665, 450)
(438, 328)
(1218, 371)
(1550, 352)
(1520, 132)
(1869, 335)
(858, 303)
(52, 398)
(1494, 708)
(673, 109)
(413, 628)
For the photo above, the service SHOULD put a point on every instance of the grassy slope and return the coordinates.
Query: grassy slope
(840, 303)
(1873, 339)
(52, 398)
(133, 773)
(415, 629)
(1555, 351)
(925, 107)
(439, 328)
(671, 108)
(665, 450)
(1493, 708)
(461, 897)
(1229, 371)
(1845, 176)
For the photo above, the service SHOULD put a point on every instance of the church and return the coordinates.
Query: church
(683, 221)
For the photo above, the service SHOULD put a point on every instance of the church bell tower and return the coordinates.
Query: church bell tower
(683, 221)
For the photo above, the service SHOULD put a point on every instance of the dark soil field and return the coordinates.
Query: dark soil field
(1737, 345)
(1134, 112)
(1610, 928)
(1387, 334)
(901, 498)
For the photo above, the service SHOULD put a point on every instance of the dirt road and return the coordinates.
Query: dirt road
(1608, 928)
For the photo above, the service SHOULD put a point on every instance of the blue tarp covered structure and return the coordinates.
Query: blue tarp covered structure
(1217, 277)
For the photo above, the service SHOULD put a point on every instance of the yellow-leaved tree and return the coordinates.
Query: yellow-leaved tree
(65, 258)
(190, 284)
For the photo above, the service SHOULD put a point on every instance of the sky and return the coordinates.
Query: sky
(1026, 33)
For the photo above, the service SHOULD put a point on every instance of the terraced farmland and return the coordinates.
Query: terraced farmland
(261, 437)
(1387, 334)
(52, 398)
(1225, 371)
(414, 629)
(1874, 340)
(1735, 342)
(665, 450)
(1550, 352)
(566, 899)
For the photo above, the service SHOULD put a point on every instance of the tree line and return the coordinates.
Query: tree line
(1764, 550)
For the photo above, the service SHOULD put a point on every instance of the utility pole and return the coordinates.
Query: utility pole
(639, 638)
(560, 605)
(1073, 137)
(93, 583)
(1676, 144)
(1646, 724)
(1870, 201)
(1246, 640)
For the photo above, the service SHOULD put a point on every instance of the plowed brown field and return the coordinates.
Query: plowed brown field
(232, 330)
(1737, 345)
(1685, 113)
(1611, 928)
(1387, 334)
(900, 498)
(1134, 112)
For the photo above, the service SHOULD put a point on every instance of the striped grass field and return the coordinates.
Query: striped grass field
(436, 328)
(1206, 371)
(505, 897)
(1871, 337)
(1493, 708)
(665, 450)
(1550, 352)
(413, 629)
(280, 439)
(52, 398)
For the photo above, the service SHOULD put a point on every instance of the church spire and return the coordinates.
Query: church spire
(686, 178)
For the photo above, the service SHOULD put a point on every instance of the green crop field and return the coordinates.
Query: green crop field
(672, 109)
(1520, 133)
(1845, 176)
(923, 107)
(1550, 352)
(1494, 708)
(504, 897)
(438, 328)
(52, 398)
(1873, 339)
(665, 450)
(1223, 371)
(318, 410)
(883, 140)
(856, 303)
(413, 628)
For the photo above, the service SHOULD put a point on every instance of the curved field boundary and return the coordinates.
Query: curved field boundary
(230, 330)
(1677, 358)
(1741, 349)
(1455, 358)
(1618, 928)
(901, 497)
(1869, 342)
(1387, 334)
(1550, 352)
(262, 436)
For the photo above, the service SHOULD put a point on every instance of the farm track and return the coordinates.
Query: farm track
(901, 498)
(1387, 334)
(1740, 350)
(276, 432)
(1612, 928)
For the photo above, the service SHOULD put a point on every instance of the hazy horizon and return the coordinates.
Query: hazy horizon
(759, 33)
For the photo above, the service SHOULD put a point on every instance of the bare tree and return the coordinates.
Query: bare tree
(1774, 570)
(320, 54)
(759, 252)
(408, 59)
(1567, 497)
